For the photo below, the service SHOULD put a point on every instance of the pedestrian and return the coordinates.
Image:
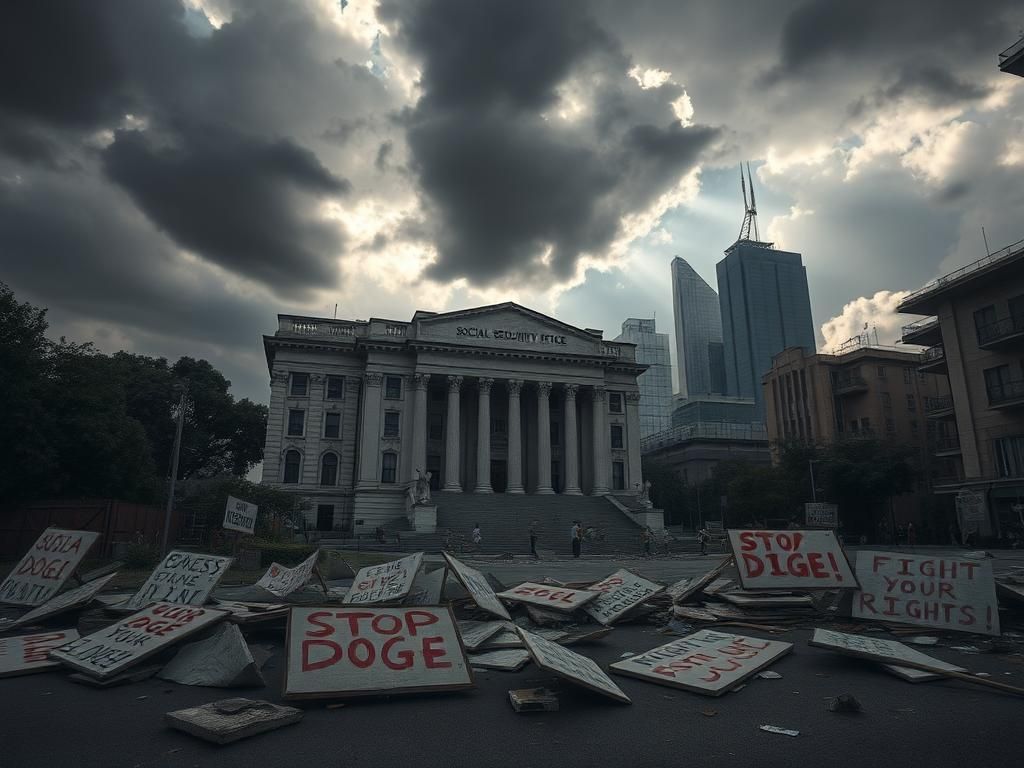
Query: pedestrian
(477, 536)
(645, 539)
(577, 538)
(702, 537)
(911, 535)
(533, 539)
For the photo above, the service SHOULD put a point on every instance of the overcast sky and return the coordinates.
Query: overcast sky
(174, 173)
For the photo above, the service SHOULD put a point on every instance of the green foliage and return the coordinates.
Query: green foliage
(140, 555)
(281, 513)
(75, 422)
(280, 552)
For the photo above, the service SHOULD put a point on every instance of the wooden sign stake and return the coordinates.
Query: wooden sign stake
(320, 578)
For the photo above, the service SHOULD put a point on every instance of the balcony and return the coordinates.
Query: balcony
(849, 384)
(933, 360)
(1002, 332)
(938, 407)
(1007, 395)
(924, 331)
(947, 445)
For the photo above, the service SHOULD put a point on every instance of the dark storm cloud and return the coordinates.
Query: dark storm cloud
(235, 199)
(507, 182)
(936, 84)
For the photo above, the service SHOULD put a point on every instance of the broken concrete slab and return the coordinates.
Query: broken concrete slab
(222, 660)
(223, 722)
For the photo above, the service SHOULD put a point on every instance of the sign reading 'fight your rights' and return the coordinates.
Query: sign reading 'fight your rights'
(791, 560)
(928, 590)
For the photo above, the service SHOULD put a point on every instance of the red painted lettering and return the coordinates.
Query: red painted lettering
(431, 654)
(405, 658)
(310, 666)
(416, 619)
(368, 656)
(325, 629)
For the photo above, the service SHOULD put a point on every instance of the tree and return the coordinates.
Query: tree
(862, 475)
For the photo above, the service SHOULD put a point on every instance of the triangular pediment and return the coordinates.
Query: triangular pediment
(506, 325)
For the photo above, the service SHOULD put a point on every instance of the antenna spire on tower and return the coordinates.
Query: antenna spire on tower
(749, 207)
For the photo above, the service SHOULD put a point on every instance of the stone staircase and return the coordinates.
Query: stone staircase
(505, 523)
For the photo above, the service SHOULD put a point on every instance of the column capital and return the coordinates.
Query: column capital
(420, 380)
(484, 386)
(632, 397)
(571, 390)
(544, 388)
(373, 379)
(454, 383)
(599, 393)
(515, 387)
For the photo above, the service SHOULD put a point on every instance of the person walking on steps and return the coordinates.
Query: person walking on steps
(577, 538)
(533, 539)
(477, 536)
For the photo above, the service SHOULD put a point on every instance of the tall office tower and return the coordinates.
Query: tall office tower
(765, 305)
(655, 383)
(700, 359)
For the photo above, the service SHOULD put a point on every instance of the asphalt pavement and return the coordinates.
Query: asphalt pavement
(48, 720)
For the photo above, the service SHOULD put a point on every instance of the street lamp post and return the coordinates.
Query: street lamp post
(814, 489)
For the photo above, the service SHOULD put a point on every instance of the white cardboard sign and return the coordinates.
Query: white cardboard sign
(618, 594)
(948, 592)
(556, 598)
(559, 660)
(115, 648)
(384, 583)
(25, 654)
(357, 651)
(427, 587)
(705, 662)
(476, 633)
(819, 514)
(186, 578)
(50, 562)
(65, 601)
(507, 660)
(240, 515)
(478, 588)
(281, 581)
(791, 560)
(889, 652)
(686, 588)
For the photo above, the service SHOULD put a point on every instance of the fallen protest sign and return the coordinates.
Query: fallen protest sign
(223, 722)
(570, 665)
(558, 598)
(705, 662)
(115, 648)
(65, 601)
(508, 660)
(384, 583)
(222, 660)
(478, 587)
(791, 560)
(618, 594)
(949, 592)
(25, 654)
(475, 633)
(239, 516)
(50, 562)
(334, 652)
(281, 581)
(185, 578)
(685, 589)
(427, 587)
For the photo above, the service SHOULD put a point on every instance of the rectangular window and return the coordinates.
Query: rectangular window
(616, 436)
(296, 423)
(1010, 456)
(865, 424)
(615, 402)
(984, 316)
(332, 425)
(911, 404)
(890, 425)
(996, 381)
(391, 423)
(392, 387)
(853, 425)
(335, 387)
(618, 476)
(388, 467)
(886, 400)
(881, 371)
(435, 426)
(556, 431)
(913, 427)
(299, 385)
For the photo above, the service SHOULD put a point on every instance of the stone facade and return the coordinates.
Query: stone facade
(497, 399)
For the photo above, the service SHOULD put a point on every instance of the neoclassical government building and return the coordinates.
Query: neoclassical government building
(495, 399)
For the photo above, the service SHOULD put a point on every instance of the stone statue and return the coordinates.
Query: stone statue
(422, 487)
(645, 493)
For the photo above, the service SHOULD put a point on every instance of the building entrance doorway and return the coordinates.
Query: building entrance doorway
(499, 475)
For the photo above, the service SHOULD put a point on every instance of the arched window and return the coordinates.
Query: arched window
(329, 469)
(388, 467)
(292, 461)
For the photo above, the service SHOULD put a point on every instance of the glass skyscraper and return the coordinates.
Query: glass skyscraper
(700, 356)
(655, 383)
(765, 308)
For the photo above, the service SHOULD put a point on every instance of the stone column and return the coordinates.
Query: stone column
(515, 448)
(601, 458)
(633, 466)
(543, 438)
(452, 458)
(419, 425)
(483, 437)
(572, 453)
(369, 431)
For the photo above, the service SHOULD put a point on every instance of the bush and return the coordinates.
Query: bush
(141, 555)
(283, 553)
